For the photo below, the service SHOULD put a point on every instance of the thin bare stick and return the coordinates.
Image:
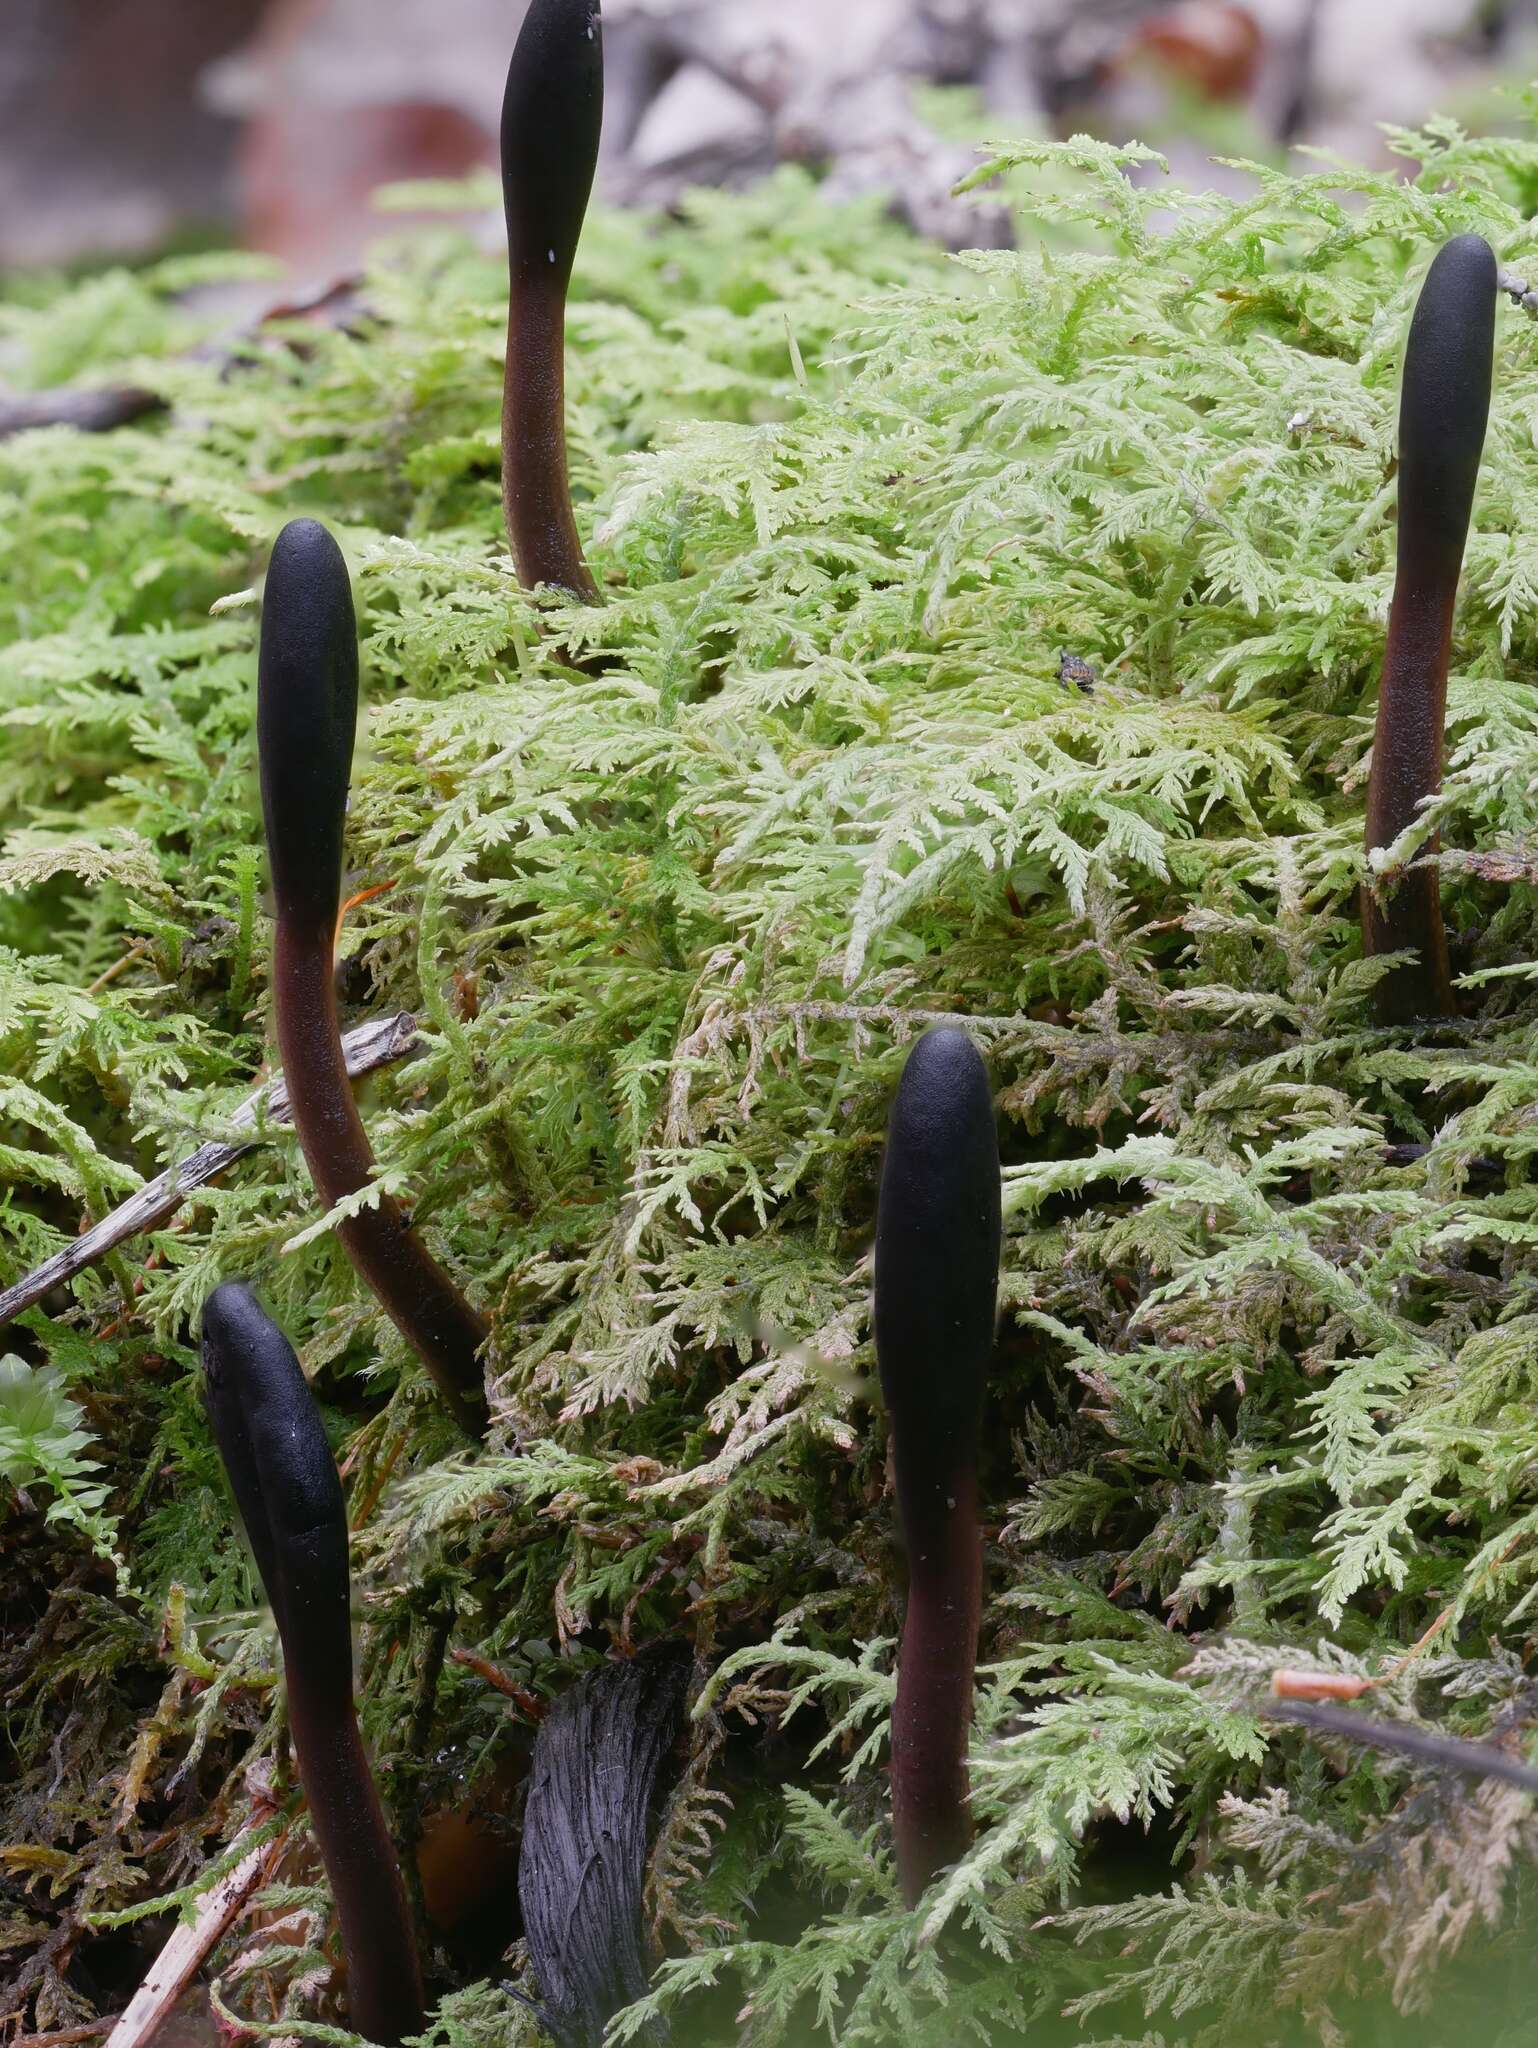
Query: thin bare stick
(371, 1045)
(65, 2037)
(135, 952)
(171, 1970)
(95, 411)
(1439, 1752)
(529, 1704)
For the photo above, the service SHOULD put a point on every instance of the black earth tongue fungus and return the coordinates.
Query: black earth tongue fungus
(937, 1271)
(307, 708)
(586, 1835)
(286, 1487)
(1443, 412)
(552, 114)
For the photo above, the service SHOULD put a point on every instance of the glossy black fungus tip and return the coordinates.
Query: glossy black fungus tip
(290, 1498)
(552, 117)
(1443, 411)
(1445, 401)
(306, 719)
(280, 1467)
(938, 1233)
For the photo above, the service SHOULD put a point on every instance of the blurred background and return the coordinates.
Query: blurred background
(128, 127)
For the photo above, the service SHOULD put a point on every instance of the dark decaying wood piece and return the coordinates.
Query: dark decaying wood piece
(307, 708)
(938, 1234)
(586, 1834)
(1444, 408)
(1446, 1753)
(286, 1487)
(552, 115)
(89, 410)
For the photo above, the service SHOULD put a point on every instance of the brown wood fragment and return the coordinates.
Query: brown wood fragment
(586, 1834)
(90, 411)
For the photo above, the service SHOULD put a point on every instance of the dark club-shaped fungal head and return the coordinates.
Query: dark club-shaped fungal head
(285, 1482)
(1444, 404)
(283, 1476)
(937, 1268)
(937, 1260)
(552, 118)
(1444, 409)
(306, 719)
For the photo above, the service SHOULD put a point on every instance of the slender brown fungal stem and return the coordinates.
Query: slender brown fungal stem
(307, 703)
(937, 1268)
(1443, 412)
(552, 114)
(286, 1487)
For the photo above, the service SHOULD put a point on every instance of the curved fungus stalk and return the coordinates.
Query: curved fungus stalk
(307, 707)
(1442, 417)
(552, 115)
(937, 1269)
(286, 1487)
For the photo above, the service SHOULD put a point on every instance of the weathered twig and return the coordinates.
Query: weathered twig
(173, 1968)
(1440, 1752)
(96, 410)
(529, 1704)
(371, 1045)
(66, 2037)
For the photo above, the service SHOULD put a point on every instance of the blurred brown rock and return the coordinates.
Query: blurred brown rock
(741, 85)
(105, 146)
(122, 120)
(342, 96)
(1214, 46)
